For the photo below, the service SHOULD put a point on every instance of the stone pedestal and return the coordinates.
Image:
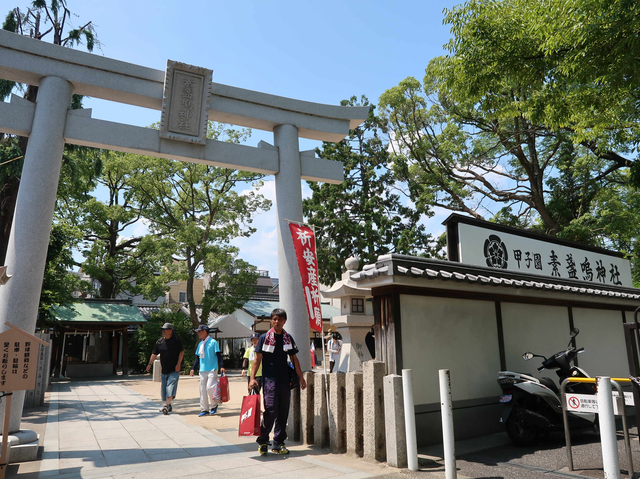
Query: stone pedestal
(23, 446)
(374, 434)
(394, 421)
(306, 409)
(337, 413)
(354, 413)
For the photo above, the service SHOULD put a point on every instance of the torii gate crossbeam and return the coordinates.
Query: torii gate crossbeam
(59, 72)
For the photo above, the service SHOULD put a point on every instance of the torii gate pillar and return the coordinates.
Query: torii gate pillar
(29, 239)
(49, 125)
(289, 207)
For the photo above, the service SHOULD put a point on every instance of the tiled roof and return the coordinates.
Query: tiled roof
(414, 267)
(94, 311)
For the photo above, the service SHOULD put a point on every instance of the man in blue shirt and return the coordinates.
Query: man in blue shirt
(272, 351)
(208, 360)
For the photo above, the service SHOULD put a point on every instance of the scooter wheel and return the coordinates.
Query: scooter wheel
(520, 433)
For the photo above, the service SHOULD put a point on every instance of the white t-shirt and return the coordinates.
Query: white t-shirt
(334, 347)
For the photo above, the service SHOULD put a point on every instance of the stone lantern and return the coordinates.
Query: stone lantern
(355, 321)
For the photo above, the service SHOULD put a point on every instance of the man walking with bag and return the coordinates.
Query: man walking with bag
(271, 352)
(171, 353)
(208, 360)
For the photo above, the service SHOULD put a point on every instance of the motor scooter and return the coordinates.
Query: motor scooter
(532, 407)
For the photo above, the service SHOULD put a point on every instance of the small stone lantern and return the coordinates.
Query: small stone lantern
(355, 321)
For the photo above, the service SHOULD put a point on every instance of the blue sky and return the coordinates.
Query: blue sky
(315, 51)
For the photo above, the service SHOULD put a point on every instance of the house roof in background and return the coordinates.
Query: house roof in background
(262, 309)
(97, 312)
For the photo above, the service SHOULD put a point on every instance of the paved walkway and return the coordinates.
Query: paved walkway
(103, 429)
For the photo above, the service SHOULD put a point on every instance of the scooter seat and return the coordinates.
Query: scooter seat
(550, 384)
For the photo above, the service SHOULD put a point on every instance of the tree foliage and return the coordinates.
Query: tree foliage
(529, 120)
(365, 215)
(143, 340)
(199, 209)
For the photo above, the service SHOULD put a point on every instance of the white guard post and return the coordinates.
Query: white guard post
(59, 72)
(410, 419)
(448, 438)
(608, 436)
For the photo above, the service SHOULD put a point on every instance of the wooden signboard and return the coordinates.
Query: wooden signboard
(18, 371)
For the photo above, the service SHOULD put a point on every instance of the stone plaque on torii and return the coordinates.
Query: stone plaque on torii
(59, 72)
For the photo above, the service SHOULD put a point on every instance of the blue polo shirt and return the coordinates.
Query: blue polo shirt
(210, 361)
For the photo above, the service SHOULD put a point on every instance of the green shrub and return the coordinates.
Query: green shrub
(145, 338)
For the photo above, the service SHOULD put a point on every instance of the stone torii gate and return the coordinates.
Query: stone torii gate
(187, 98)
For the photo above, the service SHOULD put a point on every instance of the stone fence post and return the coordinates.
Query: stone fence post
(354, 413)
(306, 409)
(293, 421)
(320, 421)
(157, 371)
(394, 421)
(337, 410)
(374, 434)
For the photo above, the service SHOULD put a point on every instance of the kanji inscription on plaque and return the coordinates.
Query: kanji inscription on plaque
(18, 366)
(185, 104)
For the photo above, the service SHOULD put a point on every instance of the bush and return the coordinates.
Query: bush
(145, 338)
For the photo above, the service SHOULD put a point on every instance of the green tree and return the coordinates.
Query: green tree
(37, 21)
(199, 209)
(145, 338)
(122, 265)
(364, 216)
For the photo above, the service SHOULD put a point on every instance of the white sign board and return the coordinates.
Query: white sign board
(496, 249)
(582, 403)
(589, 402)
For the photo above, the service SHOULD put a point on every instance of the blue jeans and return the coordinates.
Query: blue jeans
(169, 385)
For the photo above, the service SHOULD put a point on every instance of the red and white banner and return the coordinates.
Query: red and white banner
(304, 241)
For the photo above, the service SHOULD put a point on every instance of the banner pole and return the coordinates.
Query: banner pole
(324, 356)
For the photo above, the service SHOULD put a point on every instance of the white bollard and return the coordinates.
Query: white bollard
(448, 439)
(608, 437)
(410, 420)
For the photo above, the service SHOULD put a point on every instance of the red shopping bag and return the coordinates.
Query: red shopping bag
(224, 388)
(250, 416)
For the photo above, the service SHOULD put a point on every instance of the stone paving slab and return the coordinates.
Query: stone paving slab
(106, 430)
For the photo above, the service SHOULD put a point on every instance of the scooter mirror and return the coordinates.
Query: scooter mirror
(574, 332)
(528, 355)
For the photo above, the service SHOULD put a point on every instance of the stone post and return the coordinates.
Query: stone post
(29, 238)
(306, 408)
(354, 413)
(394, 421)
(157, 371)
(320, 420)
(293, 422)
(374, 448)
(337, 413)
(289, 207)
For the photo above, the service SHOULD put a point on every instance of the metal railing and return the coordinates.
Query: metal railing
(621, 409)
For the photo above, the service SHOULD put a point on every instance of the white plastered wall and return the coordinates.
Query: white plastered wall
(602, 337)
(456, 334)
(539, 329)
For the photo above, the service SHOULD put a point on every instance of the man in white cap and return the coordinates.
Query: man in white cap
(208, 361)
(171, 353)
